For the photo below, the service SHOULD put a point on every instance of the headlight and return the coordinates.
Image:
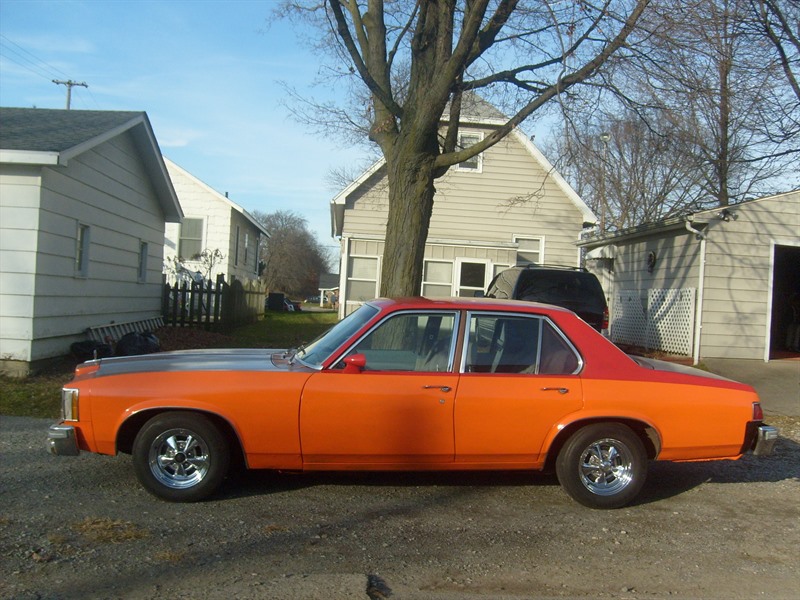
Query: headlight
(69, 404)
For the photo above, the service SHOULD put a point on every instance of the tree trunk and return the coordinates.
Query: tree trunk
(411, 192)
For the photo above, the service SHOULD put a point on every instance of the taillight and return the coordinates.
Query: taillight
(758, 413)
(605, 319)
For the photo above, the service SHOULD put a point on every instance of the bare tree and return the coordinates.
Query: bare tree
(779, 22)
(628, 172)
(415, 60)
(721, 91)
(702, 116)
(291, 258)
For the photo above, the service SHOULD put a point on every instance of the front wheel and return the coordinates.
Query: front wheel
(180, 457)
(602, 465)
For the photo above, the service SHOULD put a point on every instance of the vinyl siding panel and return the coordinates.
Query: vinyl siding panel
(677, 263)
(737, 294)
(220, 220)
(19, 210)
(108, 190)
(738, 272)
(512, 196)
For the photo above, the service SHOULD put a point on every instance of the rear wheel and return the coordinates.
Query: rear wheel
(180, 457)
(602, 465)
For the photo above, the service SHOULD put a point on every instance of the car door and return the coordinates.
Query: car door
(519, 379)
(397, 411)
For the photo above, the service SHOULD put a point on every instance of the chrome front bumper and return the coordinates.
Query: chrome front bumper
(62, 441)
(765, 440)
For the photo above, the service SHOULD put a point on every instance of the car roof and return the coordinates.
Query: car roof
(424, 303)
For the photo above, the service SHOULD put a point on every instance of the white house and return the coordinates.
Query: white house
(506, 206)
(84, 196)
(720, 283)
(211, 222)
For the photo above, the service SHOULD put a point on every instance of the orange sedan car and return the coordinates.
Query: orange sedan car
(414, 384)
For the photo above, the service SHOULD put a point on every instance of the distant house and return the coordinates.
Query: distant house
(506, 206)
(84, 198)
(328, 288)
(211, 223)
(720, 283)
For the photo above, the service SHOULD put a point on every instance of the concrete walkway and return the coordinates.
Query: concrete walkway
(777, 382)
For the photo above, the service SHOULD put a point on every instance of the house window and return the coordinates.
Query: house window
(362, 280)
(82, 244)
(437, 279)
(246, 247)
(142, 262)
(474, 164)
(190, 244)
(530, 250)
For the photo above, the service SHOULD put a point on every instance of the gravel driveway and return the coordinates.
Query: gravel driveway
(83, 528)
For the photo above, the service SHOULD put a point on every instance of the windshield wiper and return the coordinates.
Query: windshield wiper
(295, 351)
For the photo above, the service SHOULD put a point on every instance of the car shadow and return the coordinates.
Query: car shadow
(664, 480)
(670, 479)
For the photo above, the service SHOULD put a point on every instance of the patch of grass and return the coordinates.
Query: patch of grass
(105, 530)
(39, 395)
(284, 329)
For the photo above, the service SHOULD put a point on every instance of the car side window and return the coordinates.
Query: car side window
(528, 345)
(558, 358)
(410, 342)
(499, 344)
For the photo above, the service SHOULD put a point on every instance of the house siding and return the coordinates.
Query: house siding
(677, 263)
(478, 217)
(107, 189)
(512, 196)
(19, 217)
(737, 305)
(220, 220)
(736, 291)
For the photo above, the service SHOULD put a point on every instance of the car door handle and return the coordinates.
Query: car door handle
(444, 388)
(560, 390)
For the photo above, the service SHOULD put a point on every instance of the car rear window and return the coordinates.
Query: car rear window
(567, 288)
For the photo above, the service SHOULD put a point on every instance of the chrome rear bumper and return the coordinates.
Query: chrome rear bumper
(765, 440)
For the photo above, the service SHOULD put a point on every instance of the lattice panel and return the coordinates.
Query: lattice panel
(663, 321)
(670, 323)
(629, 323)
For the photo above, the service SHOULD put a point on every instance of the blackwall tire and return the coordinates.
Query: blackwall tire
(602, 465)
(180, 457)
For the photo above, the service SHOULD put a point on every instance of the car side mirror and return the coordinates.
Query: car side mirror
(355, 363)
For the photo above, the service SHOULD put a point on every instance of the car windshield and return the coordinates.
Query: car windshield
(315, 353)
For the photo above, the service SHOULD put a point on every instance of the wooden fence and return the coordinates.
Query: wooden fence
(213, 305)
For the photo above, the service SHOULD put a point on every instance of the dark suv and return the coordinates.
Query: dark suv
(569, 287)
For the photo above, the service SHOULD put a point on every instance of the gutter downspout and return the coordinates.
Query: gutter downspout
(700, 289)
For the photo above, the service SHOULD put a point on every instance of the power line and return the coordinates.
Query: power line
(27, 60)
(30, 62)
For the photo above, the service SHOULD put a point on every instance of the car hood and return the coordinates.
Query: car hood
(227, 359)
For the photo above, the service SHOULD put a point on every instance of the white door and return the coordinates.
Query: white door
(472, 275)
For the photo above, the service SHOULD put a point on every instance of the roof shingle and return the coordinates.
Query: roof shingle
(53, 130)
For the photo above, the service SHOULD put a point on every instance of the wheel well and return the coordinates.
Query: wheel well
(130, 428)
(645, 432)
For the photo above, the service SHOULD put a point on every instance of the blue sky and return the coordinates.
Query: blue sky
(206, 72)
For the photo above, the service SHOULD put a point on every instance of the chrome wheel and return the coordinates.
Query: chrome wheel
(179, 458)
(602, 465)
(606, 467)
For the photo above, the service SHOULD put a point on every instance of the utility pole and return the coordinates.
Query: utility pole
(604, 137)
(70, 84)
